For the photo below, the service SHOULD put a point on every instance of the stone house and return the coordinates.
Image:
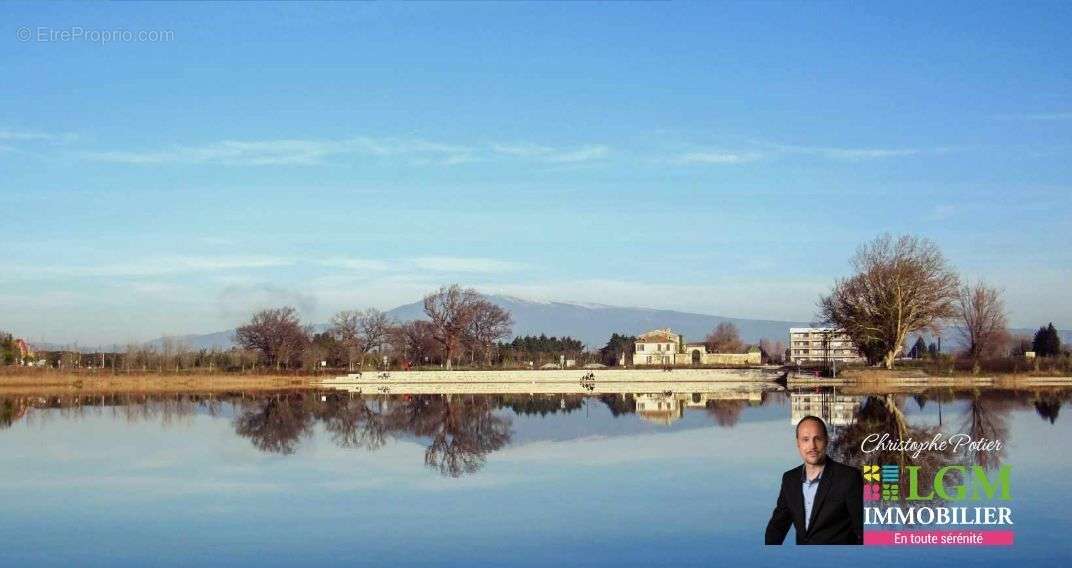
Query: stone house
(663, 347)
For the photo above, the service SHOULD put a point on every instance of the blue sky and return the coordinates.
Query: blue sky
(722, 158)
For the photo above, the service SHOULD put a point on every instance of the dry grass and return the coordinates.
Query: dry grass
(50, 381)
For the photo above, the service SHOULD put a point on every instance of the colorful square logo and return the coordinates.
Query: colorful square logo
(882, 482)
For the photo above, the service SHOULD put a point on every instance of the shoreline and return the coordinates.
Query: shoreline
(491, 381)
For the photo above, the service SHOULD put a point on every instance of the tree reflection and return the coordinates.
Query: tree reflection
(275, 424)
(619, 404)
(987, 417)
(1048, 407)
(726, 412)
(462, 431)
(11, 410)
(352, 424)
(543, 404)
(884, 414)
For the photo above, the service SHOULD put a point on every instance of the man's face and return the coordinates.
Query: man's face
(811, 443)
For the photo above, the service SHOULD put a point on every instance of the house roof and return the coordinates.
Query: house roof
(658, 336)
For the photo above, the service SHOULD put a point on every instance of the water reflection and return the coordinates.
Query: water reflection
(459, 432)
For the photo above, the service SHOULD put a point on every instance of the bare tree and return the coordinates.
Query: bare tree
(983, 323)
(724, 339)
(360, 332)
(900, 287)
(451, 310)
(276, 334)
(374, 327)
(416, 341)
(489, 324)
(346, 327)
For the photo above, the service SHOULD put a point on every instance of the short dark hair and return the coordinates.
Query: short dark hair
(816, 419)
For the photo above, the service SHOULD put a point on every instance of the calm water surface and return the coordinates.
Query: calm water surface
(304, 477)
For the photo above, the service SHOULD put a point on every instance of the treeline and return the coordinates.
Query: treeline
(539, 350)
(462, 326)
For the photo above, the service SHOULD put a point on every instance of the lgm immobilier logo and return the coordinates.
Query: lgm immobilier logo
(957, 506)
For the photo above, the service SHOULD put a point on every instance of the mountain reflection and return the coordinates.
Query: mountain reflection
(459, 432)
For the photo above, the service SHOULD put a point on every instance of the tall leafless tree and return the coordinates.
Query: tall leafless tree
(346, 327)
(489, 324)
(451, 310)
(374, 328)
(901, 286)
(983, 323)
(277, 334)
(416, 341)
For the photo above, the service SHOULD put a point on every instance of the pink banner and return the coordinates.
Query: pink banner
(938, 538)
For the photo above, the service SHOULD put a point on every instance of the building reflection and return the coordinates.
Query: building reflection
(667, 408)
(835, 409)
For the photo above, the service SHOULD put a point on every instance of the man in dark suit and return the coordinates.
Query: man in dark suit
(822, 499)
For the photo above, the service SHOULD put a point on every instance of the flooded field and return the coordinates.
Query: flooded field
(607, 476)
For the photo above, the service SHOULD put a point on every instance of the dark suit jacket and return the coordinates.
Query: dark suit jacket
(837, 515)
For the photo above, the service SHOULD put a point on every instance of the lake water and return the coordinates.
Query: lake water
(330, 477)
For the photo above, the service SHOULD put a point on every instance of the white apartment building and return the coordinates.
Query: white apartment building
(821, 344)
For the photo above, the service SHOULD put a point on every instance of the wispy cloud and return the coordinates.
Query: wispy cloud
(36, 136)
(356, 263)
(940, 212)
(1038, 116)
(424, 263)
(854, 153)
(717, 157)
(163, 265)
(312, 152)
(460, 264)
(551, 154)
(240, 300)
(284, 152)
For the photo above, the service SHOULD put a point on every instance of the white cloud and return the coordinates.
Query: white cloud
(283, 152)
(239, 301)
(716, 157)
(1041, 116)
(940, 212)
(312, 152)
(854, 153)
(550, 154)
(584, 154)
(466, 264)
(424, 263)
(32, 135)
(154, 266)
(229, 152)
(360, 264)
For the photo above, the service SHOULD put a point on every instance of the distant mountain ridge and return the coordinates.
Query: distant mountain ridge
(591, 323)
(594, 323)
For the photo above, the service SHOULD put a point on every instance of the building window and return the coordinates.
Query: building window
(639, 346)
